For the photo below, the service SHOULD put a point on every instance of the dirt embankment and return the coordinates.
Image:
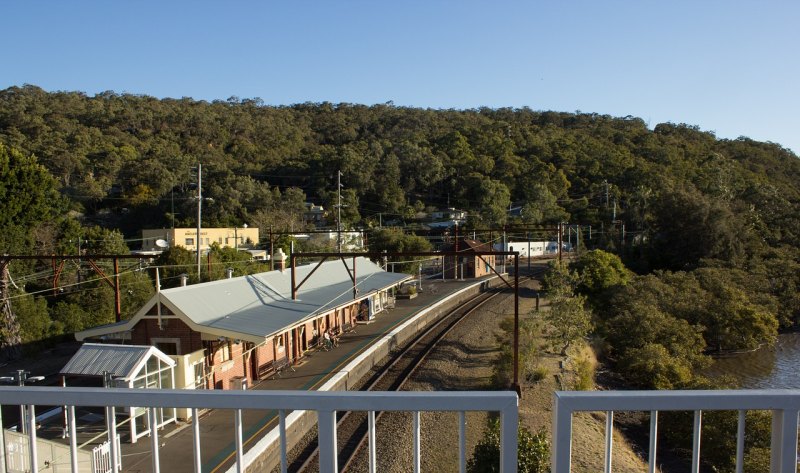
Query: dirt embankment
(466, 361)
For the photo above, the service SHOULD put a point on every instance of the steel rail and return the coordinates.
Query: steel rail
(389, 379)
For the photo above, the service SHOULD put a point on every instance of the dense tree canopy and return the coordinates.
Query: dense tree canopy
(673, 198)
(127, 161)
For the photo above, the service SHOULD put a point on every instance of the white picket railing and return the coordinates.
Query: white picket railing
(784, 405)
(101, 458)
(325, 404)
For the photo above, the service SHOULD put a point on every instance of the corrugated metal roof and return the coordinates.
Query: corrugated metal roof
(122, 361)
(260, 305)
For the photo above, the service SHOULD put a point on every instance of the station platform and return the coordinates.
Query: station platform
(309, 373)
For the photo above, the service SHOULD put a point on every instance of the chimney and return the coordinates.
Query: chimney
(184, 279)
(229, 272)
(280, 259)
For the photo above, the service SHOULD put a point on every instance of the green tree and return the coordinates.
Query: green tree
(393, 240)
(653, 349)
(490, 197)
(598, 271)
(34, 319)
(690, 226)
(224, 258)
(173, 263)
(567, 322)
(28, 198)
(559, 281)
(542, 207)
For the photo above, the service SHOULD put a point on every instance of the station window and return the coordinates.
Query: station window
(225, 350)
(190, 242)
(200, 375)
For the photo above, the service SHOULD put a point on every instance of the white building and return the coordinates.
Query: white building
(531, 249)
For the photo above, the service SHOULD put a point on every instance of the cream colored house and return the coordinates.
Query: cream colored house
(244, 238)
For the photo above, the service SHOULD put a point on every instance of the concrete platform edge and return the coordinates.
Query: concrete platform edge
(265, 454)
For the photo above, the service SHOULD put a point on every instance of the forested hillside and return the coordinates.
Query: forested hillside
(125, 162)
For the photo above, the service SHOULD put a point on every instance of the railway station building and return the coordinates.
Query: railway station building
(468, 264)
(225, 333)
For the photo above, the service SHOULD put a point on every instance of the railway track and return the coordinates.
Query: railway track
(352, 431)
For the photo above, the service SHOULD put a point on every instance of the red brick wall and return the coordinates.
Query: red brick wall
(147, 329)
(264, 355)
(224, 370)
(480, 266)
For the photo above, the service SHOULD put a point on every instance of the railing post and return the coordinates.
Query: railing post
(651, 462)
(609, 439)
(237, 416)
(3, 455)
(326, 427)
(697, 430)
(740, 442)
(509, 424)
(151, 414)
(198, 462)
(111, 425)
(372, 446)
(462, 442)
(562, 436)
(73, 439)
(282, 424)
(32, 439)
(415, 429)
(784, 441)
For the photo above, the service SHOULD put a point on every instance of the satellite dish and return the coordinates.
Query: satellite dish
(162, 243)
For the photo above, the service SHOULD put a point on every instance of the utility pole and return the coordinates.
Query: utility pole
(505, 248)
(271, 250)
(199, 213)
(339, 211)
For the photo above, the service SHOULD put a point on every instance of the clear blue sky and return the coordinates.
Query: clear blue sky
(732, 67)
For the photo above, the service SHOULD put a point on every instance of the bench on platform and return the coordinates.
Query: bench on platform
(348, 328)
(274, 368)
(281, 365)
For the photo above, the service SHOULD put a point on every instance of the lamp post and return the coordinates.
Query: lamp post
(199, 213)
(21, 377)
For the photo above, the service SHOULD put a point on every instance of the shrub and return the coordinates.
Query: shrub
(533, 452)
(584, 370)
(537, 374)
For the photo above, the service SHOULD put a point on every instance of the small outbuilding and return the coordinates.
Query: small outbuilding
(125, 366)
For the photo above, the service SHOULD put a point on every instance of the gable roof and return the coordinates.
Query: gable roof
(256, 306)
(469, 246)
(121, 361)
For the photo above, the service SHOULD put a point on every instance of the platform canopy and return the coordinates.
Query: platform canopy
(258, 306)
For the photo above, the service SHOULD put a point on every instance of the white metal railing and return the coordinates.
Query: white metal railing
(325, 404)
(784, 405)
